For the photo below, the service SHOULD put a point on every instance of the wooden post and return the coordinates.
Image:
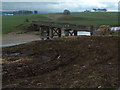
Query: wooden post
(50, 32)
(47, 31)
(66, 33)
(75, 33)
(40, 31)
(62, 32)
(91, 30)
(59, 32)
(91, 33)
(53, 31)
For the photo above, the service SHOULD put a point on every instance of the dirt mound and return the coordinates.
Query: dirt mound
(103, 30)
(69, 62)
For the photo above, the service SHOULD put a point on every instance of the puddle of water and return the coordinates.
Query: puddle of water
(46, 59)
(10, 54)
(12, 44)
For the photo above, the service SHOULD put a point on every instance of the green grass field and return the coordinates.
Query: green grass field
(92, 18)
(9, 23)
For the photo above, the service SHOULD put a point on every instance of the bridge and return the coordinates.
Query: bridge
(53, 29)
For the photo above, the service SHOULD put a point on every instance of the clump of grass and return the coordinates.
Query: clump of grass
(94, 77)
(116, 33)
(24, 26)
(20, 32)
(78, 83)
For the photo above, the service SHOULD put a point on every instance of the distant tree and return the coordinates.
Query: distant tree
(87, 11)
(66, 12)
(99, 10)
(21, 12)
(94, 9)
(105, 10)
(28, 12)
(35, 12)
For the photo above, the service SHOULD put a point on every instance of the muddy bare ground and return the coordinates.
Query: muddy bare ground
(19, 37)
(69, 62)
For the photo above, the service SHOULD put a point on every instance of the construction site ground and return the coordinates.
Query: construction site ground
(68, 62)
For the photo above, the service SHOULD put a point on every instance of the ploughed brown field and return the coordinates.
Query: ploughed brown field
(69, 62)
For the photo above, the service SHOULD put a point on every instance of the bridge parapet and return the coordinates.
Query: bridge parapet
(55, 29)
(77, 27)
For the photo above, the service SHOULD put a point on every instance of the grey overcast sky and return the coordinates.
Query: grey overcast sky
(73, 5)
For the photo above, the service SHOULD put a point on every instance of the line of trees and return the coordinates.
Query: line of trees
(23, 12)
(100, 10)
